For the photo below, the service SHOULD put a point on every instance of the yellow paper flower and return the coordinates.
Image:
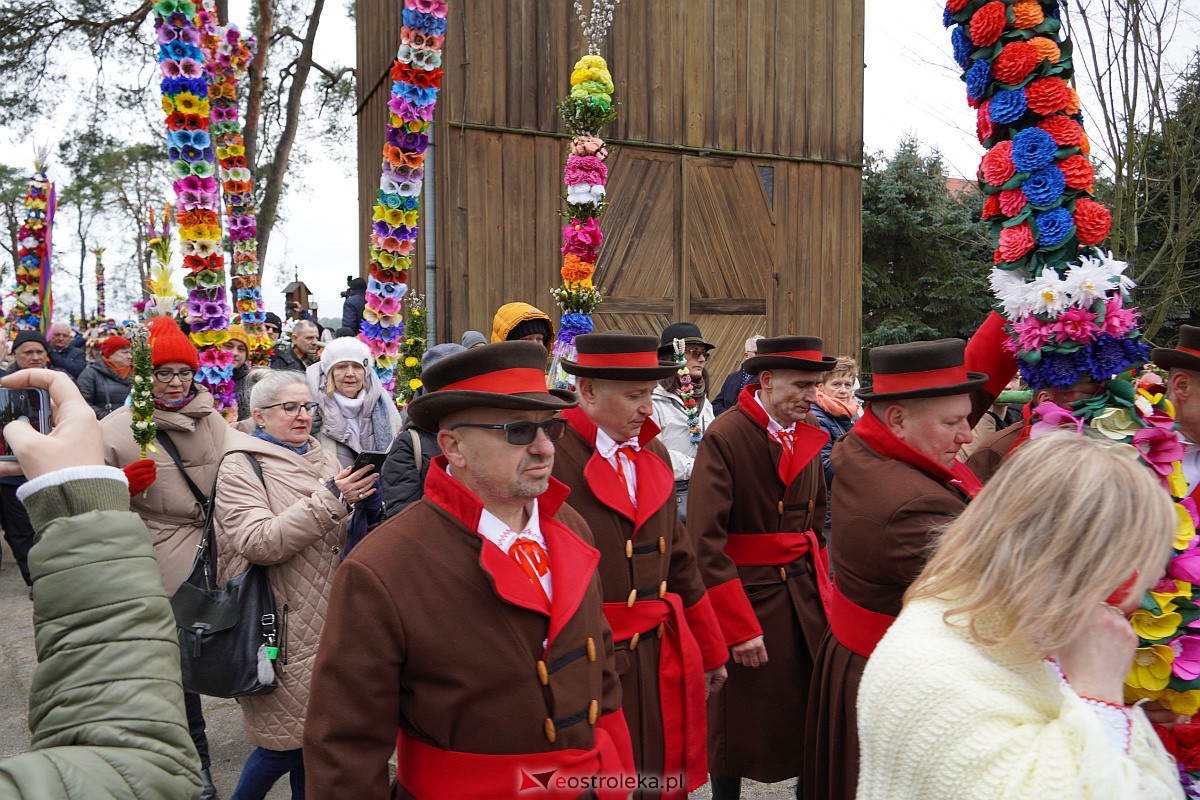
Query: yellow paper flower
(1166, 600)
(1133, 695)
(187, 103)
(1151, 667)
(1116, 424)
(1184, 531)
(1176, 483)
(411, 362)
(1151, 626)
(168, 105)
(591, 61)
(415, 384)
(1186, 703)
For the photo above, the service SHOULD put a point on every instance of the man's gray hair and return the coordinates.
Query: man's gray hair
(751, 343)
(267, 389)
(304, 323)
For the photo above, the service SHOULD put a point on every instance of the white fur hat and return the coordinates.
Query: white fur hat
(347, 348)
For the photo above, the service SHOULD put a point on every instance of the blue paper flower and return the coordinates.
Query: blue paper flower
(962, 46)
(947, 17)
(977, 78)
(1106, 357)
(1032, 149)
(1054, 226)
(1045, 186)
(1008, 105)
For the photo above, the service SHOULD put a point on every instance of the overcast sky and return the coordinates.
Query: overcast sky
(911, 88)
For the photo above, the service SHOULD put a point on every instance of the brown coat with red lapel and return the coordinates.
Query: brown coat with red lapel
(599, 494)
(433, 629)
(756, 722)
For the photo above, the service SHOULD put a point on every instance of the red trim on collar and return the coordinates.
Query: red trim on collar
(450, 494)
(875, 434)
(808, 440)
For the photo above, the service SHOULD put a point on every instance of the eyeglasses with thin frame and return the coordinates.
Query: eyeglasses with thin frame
(697, 352)
(166, 375)
(522, 432)
(293, 409)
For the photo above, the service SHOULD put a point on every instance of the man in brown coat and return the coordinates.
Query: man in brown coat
(1183, 390)
(669, 647)
(756, 507)
(896, 481)
(467, 632)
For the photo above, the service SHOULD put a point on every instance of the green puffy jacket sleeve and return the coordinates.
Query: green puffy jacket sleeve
(106, 705)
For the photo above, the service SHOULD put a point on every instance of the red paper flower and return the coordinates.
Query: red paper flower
(1078, 170)
(1047, 95)
(984, 127)
(1016, 60)
(991, 206)
(987, 24)
(1066, 131)
(1015, 242)
(1012, 201)
(1092, 221)
(955, 6)
(997, 166)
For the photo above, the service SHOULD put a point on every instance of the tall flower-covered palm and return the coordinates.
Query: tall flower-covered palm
(585, 111)
(1066, 301)
(192, 156)
(227, 54)
(416, 75)
(31, 309)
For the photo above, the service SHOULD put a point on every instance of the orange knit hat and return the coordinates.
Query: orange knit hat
(169, 345)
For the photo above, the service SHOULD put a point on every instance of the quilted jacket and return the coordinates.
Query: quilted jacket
(295, 527)
(106, 707)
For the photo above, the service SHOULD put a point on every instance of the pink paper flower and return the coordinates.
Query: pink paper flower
(1185, 566)
(1118, 320)
(1187, 657)
(1077, 324)
(582, 238)
(1053, 417)
(585, 169)
(1032, 333)
(1159, 448)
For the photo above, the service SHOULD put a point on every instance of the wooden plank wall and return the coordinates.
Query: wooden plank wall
(702, 86)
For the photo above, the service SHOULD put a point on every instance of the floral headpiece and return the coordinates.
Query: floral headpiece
(1067, 302)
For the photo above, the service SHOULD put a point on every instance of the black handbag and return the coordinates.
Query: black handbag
(681, 490)
(227, 635)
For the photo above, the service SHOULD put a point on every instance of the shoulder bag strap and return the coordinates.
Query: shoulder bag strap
(208, 542)
(416, 440)
(173, 452)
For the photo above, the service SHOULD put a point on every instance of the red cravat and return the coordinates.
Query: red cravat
(631, 453)
(787, 439)
(532, 559)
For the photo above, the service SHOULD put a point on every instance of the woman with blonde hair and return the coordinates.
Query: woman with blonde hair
(1003, 675)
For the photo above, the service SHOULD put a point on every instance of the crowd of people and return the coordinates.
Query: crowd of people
(641, 584)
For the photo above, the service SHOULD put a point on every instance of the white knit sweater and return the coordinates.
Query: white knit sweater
(940, 718)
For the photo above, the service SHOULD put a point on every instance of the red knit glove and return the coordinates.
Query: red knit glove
(140, 475)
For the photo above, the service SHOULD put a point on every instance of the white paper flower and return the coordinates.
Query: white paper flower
(1087, 281)
(1046, 294)
(1008, 287)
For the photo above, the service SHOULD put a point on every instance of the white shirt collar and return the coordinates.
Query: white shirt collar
(607, 446)
(499, 534)
(773, 427)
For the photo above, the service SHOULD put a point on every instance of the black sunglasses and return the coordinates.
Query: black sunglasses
(523, 432)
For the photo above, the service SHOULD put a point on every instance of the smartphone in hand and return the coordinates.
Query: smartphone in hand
(373, 457)
(31, 405)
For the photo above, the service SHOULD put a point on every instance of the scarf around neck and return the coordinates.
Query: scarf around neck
(836, 407)
(266, 437)
(120, 372)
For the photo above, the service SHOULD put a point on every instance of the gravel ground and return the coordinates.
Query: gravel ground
(227, 741)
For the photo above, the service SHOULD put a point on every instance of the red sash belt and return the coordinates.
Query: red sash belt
(856, 628)
(771, 549)
(426, 771)
(680, 681)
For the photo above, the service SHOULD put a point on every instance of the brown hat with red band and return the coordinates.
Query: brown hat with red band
(920, 369)
(617, 356)
(1185, 355)
(802, 353)
(503, 375)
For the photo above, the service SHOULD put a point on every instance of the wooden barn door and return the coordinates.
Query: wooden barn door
(728, 229)
(688, 238)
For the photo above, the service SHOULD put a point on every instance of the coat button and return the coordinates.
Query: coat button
(662, 545)
(593, 712)
(336, 549)
(633, 641)
(543, 674)
(632, 598)
(591, 649)
(662, 590)
(782, 574)
(662, 627)
(629, 548)
(550, 733)
(781, 508)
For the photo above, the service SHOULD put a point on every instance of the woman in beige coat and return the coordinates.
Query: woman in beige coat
(174, 516)
(292, 521)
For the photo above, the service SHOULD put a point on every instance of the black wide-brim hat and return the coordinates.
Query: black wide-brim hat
(920, 369)
(688, 331)
(617, 356)
(1186, 355)
(506, 375)
(804, 353)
